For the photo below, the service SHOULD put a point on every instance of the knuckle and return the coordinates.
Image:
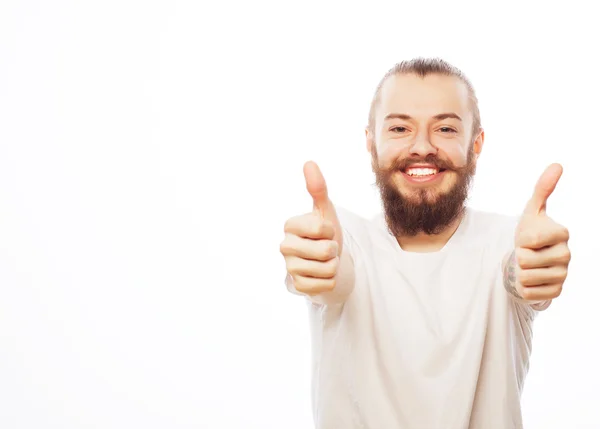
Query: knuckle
(521, 257)
(528, 293)
(528, 238)
(332, 248)
(287, 226)
(562, 273)
(300, 284)
(558, 291)
(291, 266)
(566, 234)
(284, 247)
(331, 267)
(326, 250)
(313, 286)
(523, 277)
(288, 247)
(300, 225)
(327, 285)
(535, 238)
(566, 256)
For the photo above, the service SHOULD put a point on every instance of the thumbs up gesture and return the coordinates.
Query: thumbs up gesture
(313, 242)
(541, 255)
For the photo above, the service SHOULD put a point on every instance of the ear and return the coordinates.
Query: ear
(370, 139)
(478, 143)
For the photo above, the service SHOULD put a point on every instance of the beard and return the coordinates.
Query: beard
(427, 211)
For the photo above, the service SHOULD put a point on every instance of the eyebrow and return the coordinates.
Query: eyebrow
(439, 117)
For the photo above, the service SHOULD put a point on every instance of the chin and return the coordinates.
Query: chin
(430, 192)
(427, 196)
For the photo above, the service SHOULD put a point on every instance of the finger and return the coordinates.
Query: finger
(542, 235)
(543, 189)
(542, 292)
(307, 268)
(559, 254)
(312, 285)
(306, 248)
(316, 186)
(310, 226)
(542, 276)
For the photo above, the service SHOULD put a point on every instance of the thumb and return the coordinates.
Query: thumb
(543, 189)
(317, 188)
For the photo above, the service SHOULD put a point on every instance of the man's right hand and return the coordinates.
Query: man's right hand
(313, 242)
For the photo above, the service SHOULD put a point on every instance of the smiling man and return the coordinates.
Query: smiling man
(422, 317)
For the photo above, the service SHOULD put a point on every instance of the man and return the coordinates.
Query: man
(422, 317)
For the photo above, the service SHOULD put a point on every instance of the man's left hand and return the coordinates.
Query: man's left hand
(541, 257)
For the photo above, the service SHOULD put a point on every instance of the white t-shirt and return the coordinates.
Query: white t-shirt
(425, 340)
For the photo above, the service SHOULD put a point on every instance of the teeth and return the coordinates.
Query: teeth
(421, 171)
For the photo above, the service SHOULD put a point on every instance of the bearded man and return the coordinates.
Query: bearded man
(421, 317)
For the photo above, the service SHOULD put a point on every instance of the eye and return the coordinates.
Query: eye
(399, 129)
(446, 130)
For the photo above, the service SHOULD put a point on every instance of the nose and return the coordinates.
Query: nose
(422, 147)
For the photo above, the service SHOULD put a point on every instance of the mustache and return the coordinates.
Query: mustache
(404, 163)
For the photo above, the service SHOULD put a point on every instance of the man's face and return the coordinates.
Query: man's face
(423, 151)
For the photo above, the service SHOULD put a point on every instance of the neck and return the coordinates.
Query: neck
(424, 243)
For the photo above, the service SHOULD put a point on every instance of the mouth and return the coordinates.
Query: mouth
(422, 173)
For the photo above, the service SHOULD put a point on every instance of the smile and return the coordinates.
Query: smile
(422, 173)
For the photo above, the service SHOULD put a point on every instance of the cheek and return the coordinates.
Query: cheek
(389, 153)
(455, 154)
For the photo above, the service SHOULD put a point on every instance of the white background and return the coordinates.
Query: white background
(150, 153)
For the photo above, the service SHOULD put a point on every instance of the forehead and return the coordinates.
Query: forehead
(422, 97)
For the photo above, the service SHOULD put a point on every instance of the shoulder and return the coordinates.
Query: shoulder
(349, 219)
(492, 228)
(356, 224)
(489, 223)
(363, 231)
(352, 223)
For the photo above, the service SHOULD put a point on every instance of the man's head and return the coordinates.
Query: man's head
(424, 135)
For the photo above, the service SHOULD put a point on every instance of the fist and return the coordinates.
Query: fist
(313, 242)
(541, 254)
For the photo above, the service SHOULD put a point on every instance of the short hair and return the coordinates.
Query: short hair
(423, 67)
